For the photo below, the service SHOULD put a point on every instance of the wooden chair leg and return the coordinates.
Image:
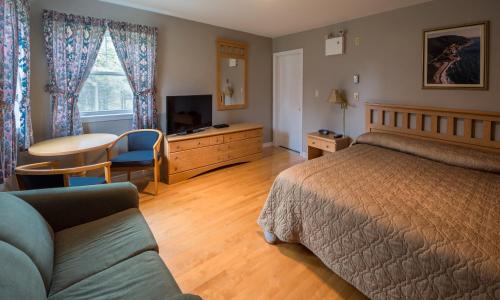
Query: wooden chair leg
(129, 175)
(156, 176)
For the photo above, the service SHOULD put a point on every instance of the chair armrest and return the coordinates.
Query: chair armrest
(67, 207)
(113, 144)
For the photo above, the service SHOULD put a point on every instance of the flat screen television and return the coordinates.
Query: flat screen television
(187, 114)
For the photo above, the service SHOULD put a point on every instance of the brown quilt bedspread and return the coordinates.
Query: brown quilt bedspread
(393, 224)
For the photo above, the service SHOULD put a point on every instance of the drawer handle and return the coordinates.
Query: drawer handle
(314, 143)
(327, 147)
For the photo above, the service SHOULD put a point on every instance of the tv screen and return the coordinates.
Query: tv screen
(188, 113)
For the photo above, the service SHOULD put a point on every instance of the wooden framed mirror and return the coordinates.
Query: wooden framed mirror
(232, 69)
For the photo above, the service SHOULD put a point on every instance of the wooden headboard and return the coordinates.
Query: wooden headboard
(474, 129)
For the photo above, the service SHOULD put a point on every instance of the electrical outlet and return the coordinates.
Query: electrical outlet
(356, 96)
(316, 93)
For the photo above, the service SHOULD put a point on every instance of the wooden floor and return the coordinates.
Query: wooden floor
(208, 237)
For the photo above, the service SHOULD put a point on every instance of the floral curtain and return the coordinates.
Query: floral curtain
(136, 46)
(72, 44)
(15, 119)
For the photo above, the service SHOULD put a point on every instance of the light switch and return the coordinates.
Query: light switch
(356, 78)
(357, 41)
(316, 93)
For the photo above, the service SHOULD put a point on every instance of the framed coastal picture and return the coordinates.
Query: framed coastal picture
(456, 57)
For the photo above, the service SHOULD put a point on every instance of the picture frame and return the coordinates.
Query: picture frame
(456, 57)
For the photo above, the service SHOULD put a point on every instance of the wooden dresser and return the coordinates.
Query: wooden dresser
(194, 154)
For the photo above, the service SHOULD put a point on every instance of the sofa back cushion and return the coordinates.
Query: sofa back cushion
(19, 277)
(25, 229)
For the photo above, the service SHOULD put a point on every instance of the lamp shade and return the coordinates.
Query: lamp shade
(336, 97)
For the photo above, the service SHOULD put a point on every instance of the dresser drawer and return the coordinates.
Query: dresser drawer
(253, 133)
(216, 139)
(189, 144)
(238, 136)
(244, 148)
(195, 158)
(313, 142)
(321, 144)
(328, 146)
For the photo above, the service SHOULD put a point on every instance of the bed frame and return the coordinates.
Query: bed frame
(474, 129)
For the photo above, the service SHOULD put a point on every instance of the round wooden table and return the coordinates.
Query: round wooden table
(70, 145)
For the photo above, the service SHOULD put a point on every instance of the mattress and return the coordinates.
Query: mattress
(396, 217)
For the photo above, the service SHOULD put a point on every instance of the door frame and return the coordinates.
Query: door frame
(301, 96)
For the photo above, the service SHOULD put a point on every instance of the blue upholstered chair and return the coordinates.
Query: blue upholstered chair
(143, 152)
(46, 175)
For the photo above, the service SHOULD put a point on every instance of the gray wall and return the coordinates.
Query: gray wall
(186, 64)
(389, 61)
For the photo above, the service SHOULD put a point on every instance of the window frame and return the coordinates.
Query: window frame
(107, 115)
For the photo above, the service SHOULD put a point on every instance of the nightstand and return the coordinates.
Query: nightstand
(317, 144)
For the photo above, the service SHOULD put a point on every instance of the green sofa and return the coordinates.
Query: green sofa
(80, 243)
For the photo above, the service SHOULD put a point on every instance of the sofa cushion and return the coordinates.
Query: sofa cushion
(87, 249)
(141, 277)
(19, 277)
(133, 158)
(24, 228)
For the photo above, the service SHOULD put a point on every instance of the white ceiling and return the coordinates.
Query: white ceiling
(271, 18)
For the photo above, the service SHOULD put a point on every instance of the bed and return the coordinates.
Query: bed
(411, 210)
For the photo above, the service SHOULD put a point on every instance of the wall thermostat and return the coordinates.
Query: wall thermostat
(334, 46)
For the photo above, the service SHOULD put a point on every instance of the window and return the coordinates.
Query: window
(107, 91)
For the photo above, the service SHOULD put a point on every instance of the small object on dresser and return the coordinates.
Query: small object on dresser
(324, 131)
(218, 126)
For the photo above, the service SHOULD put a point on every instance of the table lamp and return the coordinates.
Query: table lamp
(336, 97)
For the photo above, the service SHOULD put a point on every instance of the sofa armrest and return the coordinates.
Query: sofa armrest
(67, 207)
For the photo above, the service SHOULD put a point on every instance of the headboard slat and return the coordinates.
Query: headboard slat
(406, 121)
(421, 114)
(467, 128)
(451, 125)
(487, 131)
(420, 125)
(381, 117)
(435, 124)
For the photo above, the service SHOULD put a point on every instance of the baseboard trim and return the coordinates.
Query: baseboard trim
(267, 145)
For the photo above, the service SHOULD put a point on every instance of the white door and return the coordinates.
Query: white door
(287, 103)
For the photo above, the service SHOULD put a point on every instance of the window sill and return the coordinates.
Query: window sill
(105, 118)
